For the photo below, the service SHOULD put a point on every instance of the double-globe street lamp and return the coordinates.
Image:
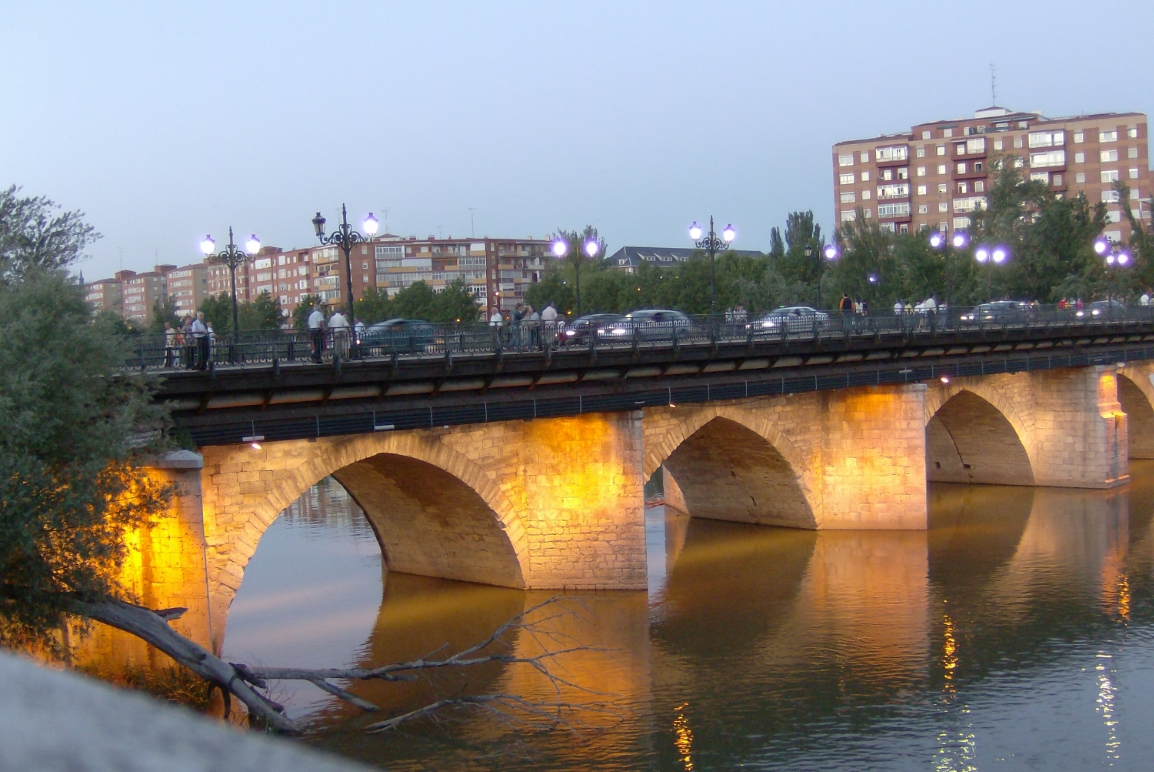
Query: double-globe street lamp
(233, 257)
(591, 248)
(712, 244)
(949, 247)
(345, 237)
(830, 253)
(1115, 257)
(991, 256)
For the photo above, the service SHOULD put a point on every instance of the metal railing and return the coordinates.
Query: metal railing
(255, 348)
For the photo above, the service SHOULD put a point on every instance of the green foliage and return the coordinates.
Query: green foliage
(455, 304)
(73, 433)
(300, 317)
(163, 310)
(373, 306)
(264, 313)
(173, 683)
(217, 311)
(790, 260)
(33, 235)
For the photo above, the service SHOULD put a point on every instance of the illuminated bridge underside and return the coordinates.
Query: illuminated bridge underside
(969, 441)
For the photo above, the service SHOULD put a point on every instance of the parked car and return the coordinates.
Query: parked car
(582, 329)
(1101, 308)
(998, 312)
(648, 324)
(402, 336)
(791, 320)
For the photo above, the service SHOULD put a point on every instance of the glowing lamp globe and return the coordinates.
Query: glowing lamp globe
(371, 225)
(253, 244)
(207, 245)
(695, 231)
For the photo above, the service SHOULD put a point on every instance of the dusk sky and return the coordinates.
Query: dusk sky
(166, 121)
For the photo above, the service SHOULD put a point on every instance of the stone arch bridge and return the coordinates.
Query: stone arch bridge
(558, 502)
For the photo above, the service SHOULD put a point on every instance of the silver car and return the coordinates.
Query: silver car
(788, 320)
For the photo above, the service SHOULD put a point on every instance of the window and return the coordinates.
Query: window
(1132, 152)
(865, 195)
(1132, 132)
(942, 226)
(1113, 217)
(1133, 174)
(1057, 181)
(921, 152)
(921, 171)
(923, 209)
(903, 228)
(893, 210)
(947, 132)
(887, 174)
(921, 190)
(960, 148)
(941, 168)
(1050, 158)
(963, 187)
(961, 168)
(971, 204)
(1134, 195)
(1110, 197)
(1113, 235)
(1078, 137)
(1110, 175)
(895, 153)
(867, 213)
(980, 186)
(977, 166)
(1017, 141)
(925, 134)
(845, 160)
(976, 145)
(846, 179)
(848, 198)
(364, 266)
(1047, 138)
(997, 144)
(961, 223)
(941, 149)
(1079, 158)
(1108, 136)
(943, 207)
(900, 190)
(848, 215)
(885, 226)
(1040, 177)
(903, 172)
(941, 187)
(1080, 178)
(865, 157)
(1109, 156)
(865, 176)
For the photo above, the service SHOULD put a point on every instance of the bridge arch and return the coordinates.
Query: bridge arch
(1136, 395)
(975, 434)
(729, 463)
(435, 511)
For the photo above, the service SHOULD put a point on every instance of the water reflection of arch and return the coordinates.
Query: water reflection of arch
(731, 463)
(974, 530)
(974, 434)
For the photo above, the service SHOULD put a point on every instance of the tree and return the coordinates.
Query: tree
(264, 313)
(33, 235)
(300, 317)
(867, 268)
(373, 306)
(217, 311)
(75, 431)
(577, 256)
(163, 310)
(455, 305)
(415, 301)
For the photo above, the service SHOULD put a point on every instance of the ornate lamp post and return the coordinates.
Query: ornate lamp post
(949, 248)
(233, 258)
(344, 238)
(830, 253)
(1115, 257)
(712, 244)
(591, 248)
(991, 256)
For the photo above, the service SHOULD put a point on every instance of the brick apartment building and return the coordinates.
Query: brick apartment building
(104, 295)
(140, 291)
(936, 175)
(187, 287)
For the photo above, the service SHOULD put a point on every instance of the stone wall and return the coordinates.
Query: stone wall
(1136, 395)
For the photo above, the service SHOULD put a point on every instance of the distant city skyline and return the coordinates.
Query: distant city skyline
(163, 123)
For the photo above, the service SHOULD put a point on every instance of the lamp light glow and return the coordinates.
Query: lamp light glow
(729, 234)
(959, 239)
(207, 245)
(1123, 258)
(1101, 245)
(591, 248)
(560, 248)
(982, 254)
(253, 244)
(695, 231)
(371, 224)
(831, 252)
(936, 240)
(999, 255)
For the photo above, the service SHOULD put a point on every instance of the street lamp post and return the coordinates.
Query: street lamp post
(830, 253)
(233, 257)
(344, 237)
(711, 244)
(949, 248)
(1115, 257)
(591, 248)
(991, 256)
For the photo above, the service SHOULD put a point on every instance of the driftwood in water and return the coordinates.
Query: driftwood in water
(152, 627)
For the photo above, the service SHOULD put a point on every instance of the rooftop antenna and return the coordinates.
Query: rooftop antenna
(472, 227)
(993, 85)
(385, 209)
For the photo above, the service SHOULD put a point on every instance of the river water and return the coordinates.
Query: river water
(1017, 633)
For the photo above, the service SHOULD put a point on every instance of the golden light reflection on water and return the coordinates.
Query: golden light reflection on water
(949, 651)
(683, 737)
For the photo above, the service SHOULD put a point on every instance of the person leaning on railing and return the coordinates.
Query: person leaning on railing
(339, 326)
(317, 332)
(199, 332)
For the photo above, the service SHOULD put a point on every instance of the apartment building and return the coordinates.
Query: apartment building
(936, 175)
(140, 291)
(187, 287)
(104, 295)
(497, 271)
